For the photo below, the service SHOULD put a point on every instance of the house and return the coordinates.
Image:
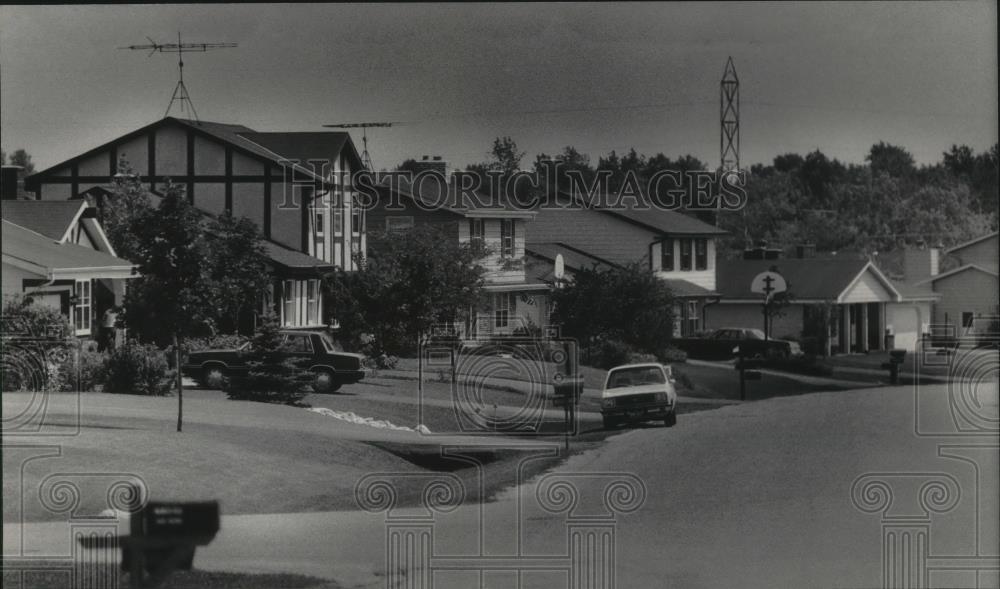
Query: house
(516, 299)
(56, 253)
(296, 186)
(862, 305)
(678, 248)
(969, 292)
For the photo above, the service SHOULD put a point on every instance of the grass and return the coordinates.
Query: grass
(31, 575)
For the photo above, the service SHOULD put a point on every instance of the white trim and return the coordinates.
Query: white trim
(881, 278)
(504, 214)
(76, 220)
(974, 241)
(102, 236)
(958, 270)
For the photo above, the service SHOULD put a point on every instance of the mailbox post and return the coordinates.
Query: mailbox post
(896, 358)
(568, 386)
(745, 366)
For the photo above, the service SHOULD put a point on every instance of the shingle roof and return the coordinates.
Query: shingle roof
(973, 241)
(658, 219)
(51, 218)
(293, 260)
(572, 258)
(683, 288)
(810, 278)
(28, 246)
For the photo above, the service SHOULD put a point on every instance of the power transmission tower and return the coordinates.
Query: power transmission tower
(729, 139)
(366, 159)
(180, 90)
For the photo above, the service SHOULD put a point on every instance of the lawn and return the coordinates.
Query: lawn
(29, 575)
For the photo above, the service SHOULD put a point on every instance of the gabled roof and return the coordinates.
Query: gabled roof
(277, 148)
(51, 218)
(958, 270)
(660, 220)
(971, 242)
(48, 257)
(809, 279)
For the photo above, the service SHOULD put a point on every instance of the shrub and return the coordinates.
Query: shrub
(271, 376)
(138, 369)
(642, 358)
(78, 368)
(672, 355)
(609, 353)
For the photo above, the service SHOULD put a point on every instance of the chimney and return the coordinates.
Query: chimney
(805, 250)
(435, 163)
(12, 185)
(920, 263)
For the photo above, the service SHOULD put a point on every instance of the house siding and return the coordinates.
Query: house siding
(970, 291)
(703, 278)
(983, 254)
(867, 289)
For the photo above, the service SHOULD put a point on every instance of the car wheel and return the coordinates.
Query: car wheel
(324, 382)
(671, 419)
(214, 377)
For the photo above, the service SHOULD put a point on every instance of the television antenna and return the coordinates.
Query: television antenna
(180, 94)
(366, 159)
(729, 140)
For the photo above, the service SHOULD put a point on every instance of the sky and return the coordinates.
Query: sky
(600, 77)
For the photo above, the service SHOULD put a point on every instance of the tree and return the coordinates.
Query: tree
(890, 159)
(272, 376)
(125, 210)
(408, 283)
(174, 289)
(627, 304)
(237, 269)
(22, 158)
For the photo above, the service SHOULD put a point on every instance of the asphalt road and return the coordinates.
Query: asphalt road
(752, 495)
(749, 495)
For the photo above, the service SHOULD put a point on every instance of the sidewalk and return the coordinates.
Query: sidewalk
(803, 378)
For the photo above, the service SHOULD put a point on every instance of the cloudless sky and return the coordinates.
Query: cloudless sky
(837, 77)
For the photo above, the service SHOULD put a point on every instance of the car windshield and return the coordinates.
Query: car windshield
(630, 377)
(754, 334)
(330, 345)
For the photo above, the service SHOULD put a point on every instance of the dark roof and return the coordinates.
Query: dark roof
(810, 278)
(434, 191)
(652, 217)
(573, 258)
(301, 146)
(683, 288)
(50, 218)
(290, 259)
(41, 250)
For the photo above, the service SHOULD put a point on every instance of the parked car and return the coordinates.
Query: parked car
(314, 351)
(639, 392)
(719, 345)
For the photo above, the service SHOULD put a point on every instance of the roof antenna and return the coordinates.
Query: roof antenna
(180, 90)
(366, 159)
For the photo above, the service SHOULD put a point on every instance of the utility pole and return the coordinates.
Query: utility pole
(729, 139)
(180, 94)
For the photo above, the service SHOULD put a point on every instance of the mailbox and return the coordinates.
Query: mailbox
(897, 356)
(566, 388)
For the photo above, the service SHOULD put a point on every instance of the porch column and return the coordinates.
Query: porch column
(863, 344)
(845, 331)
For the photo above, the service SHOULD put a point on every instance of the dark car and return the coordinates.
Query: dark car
(719, 345)
(313, 351)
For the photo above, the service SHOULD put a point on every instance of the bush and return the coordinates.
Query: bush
(271, 377)
(672, 355)
(80, 368)
(608, 354)
(138, 369)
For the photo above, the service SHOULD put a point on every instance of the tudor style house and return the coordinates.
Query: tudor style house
(515, 299)
(296, 186)
(56, 253)
(679, 248)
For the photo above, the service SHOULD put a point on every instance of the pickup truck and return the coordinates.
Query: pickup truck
(314, 351)
(719, 345)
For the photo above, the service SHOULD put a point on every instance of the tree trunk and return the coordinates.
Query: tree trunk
(180, 383)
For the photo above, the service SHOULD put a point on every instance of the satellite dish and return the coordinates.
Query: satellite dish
(560, 267)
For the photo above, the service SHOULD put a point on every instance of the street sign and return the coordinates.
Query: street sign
(768, 284)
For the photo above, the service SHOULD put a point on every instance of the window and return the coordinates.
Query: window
(318, 230)
(356, 218)
(667, 255)
(507, 238)
(693, 318)
(398, 224)
(685, 254)
(476, 230)
(82, 311)
(298, 343)
(701, 254)
(338, 215)
(312, 302)
(967, 319)
(501, 309)
(288, 316)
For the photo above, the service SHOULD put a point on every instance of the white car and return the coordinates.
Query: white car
(639, 392)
